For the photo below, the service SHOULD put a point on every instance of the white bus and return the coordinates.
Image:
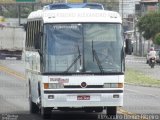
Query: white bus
(75, 60)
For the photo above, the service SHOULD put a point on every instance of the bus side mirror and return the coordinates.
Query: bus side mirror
(38, 41)
(129, 46)
(24, 26)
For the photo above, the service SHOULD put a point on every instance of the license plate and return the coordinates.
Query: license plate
(83, 97)
(152, 60)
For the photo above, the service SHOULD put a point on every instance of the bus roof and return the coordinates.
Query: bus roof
(75, 15)
(73, 5)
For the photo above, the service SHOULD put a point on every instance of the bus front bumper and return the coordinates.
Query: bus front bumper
(86, 98)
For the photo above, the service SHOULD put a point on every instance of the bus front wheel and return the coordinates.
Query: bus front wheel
(33, 107)
(46, 112)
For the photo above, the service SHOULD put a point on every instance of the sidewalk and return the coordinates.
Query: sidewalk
(139, 64)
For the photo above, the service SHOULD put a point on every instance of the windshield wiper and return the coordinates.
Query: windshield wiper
(76, 59)
(94, 53)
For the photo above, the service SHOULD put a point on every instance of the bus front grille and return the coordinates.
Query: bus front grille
(88, 86)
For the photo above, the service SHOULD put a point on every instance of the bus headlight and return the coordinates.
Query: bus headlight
(113, 85)
(53, 86)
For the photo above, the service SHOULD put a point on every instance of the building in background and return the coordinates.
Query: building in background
(126, 8)
(148, 6)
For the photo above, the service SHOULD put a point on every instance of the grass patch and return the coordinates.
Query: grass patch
(138, 78)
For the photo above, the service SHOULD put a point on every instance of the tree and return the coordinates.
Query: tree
(149, 25)
(157, 39)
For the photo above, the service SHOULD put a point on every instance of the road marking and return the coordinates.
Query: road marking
(12, 72)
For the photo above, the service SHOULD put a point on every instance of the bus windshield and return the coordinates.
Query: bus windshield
(83, 48)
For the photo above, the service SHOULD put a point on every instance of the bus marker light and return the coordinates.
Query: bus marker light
(120, 85)
(50, 96)
(115, 96)
(46, 85)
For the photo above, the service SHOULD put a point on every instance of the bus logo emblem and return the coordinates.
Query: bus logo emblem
(83, 84)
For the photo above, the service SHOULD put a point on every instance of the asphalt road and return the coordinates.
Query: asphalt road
(13, 94)
(142, 100)
(16, 65)
(14, 98)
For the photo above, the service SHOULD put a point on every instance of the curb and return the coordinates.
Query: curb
(142, 85)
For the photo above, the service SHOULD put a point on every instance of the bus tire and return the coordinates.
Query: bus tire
(46, 112)
(88, 110)
(19, 58)
(33, 107)
(111, 112)
(99, 109)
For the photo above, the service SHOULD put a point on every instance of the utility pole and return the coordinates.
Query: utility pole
(140, 34)
(19, 14)
(122, 10)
